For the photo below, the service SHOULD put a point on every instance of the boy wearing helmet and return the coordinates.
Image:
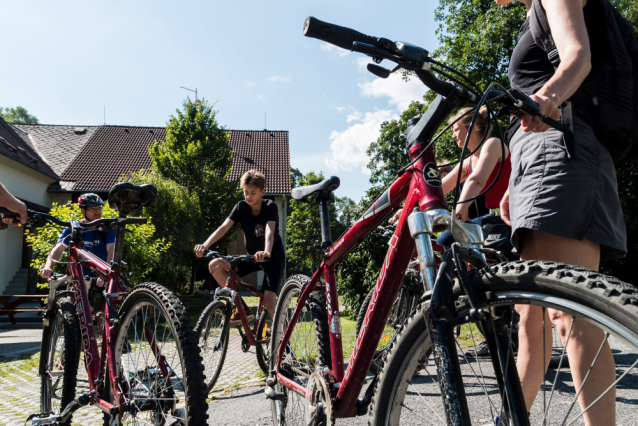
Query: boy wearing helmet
(101, 244)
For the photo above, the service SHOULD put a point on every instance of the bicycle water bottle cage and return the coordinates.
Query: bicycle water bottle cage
(319, 191)
(126, 197)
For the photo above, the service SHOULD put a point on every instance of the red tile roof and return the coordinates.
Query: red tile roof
(115, 150)
(17, 147)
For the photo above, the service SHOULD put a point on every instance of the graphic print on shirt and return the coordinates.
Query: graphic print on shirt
(259, 230)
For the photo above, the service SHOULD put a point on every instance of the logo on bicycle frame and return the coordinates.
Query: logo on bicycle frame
(431, 175)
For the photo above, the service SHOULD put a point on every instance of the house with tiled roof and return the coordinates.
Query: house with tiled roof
(68, 161)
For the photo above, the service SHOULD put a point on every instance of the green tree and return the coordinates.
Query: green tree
(178, 219)
(18, 115)
(142, 251)
(196, 155)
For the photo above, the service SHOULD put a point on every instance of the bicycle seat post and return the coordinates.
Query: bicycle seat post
(324, 214)
(119, 241)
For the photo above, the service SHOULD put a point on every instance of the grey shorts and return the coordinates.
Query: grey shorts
(549, 192)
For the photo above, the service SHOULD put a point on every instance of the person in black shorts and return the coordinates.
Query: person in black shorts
(259, 220)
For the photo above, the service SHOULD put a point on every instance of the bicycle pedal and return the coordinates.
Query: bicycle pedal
(275, 396)
(42, 419)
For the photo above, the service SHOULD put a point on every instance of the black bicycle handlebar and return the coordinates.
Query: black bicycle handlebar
(37, 219)
(242, 257)
(334, 34)
(416, 59)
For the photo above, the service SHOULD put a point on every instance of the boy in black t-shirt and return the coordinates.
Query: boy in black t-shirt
(260, 222)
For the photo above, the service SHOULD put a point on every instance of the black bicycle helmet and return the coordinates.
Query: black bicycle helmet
(90, 200)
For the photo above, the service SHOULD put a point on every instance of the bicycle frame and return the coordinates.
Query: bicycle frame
(98, 359)
(425, 211)
(231, 291)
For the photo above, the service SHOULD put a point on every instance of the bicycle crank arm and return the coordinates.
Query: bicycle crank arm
(74, 406)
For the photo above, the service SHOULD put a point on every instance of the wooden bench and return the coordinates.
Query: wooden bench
(10, 304)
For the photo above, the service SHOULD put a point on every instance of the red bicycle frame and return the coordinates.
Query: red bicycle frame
(231, 283)
(420, 188)
(98, 359)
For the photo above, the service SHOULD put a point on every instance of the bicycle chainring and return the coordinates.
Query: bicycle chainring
(318, 401)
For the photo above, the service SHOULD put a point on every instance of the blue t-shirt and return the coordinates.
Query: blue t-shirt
(92, 243)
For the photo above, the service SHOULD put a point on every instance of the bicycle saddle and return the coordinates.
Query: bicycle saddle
(319, 191)
(126, 197)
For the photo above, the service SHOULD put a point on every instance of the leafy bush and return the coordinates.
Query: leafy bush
(142, 252)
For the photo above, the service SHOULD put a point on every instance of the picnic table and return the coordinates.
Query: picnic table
(11, 303)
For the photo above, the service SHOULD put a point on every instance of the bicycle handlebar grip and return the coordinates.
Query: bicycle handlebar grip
(334, 34)
(8, 212)
(136, 220)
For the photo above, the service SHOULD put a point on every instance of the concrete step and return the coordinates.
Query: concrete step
(18, 284)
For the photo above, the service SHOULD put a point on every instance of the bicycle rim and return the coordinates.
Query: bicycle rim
(305, 350)
(159, 376)
(410, 393)
(212, 334)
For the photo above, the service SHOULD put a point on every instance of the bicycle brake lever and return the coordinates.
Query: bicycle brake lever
(524, 104)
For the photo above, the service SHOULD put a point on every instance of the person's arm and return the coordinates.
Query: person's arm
(110, 252)
(12, 203)
(567, 24)
(449, 181)
(475, 183)
(270, 241)
(53, 257)
(200, 249)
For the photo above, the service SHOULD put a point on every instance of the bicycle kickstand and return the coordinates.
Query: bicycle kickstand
(48, 419)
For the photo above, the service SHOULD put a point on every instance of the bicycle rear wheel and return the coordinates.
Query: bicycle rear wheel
(404, 395)
(61, 361)
(309, 347)
(212, 331)
(398, 316)
(158, 362)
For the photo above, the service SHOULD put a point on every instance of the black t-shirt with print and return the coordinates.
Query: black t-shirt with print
(255, 227)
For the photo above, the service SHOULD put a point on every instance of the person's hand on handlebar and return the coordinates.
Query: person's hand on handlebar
(396, 216)
(46, 272)
(547, 107)
(200, 250)
(261, 256)
(17, 207)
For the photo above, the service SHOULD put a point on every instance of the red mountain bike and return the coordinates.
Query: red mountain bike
(213, 327)
(147, 369)
(309, 384)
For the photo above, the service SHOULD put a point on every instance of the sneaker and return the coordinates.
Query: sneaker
(480, 352)
(235, 319)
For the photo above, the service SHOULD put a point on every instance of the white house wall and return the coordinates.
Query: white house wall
(26, 184)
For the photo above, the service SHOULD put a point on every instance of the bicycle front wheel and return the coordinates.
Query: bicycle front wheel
(262, 340)
(61, 360)
(212, 331)
(406, 393)
(308, 348)
(159, 367)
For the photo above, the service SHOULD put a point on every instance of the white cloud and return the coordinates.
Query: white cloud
(250, 84)
(399, 92)
(362, 62)
(348, 148)
(331, 48)
(280, 78)
(260, 97)
(354, 116)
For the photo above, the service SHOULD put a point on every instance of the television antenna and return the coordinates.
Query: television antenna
(186, 88)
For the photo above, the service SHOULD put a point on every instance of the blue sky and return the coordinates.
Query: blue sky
(65, 61)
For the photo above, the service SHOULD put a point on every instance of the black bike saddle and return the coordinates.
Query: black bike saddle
(126, 197)
(319, 191)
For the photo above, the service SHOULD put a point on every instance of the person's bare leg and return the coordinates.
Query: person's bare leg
(270, 300)
(219, 269)
(585, 339)
(529, 361)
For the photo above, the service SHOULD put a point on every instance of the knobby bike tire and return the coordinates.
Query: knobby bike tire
(602, 300)
(398, 316)
(212, 330)
(63, 349)
(263, 349)
(311, 329)
(158, 313)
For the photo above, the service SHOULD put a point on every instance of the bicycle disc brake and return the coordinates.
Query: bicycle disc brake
(318, 402)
